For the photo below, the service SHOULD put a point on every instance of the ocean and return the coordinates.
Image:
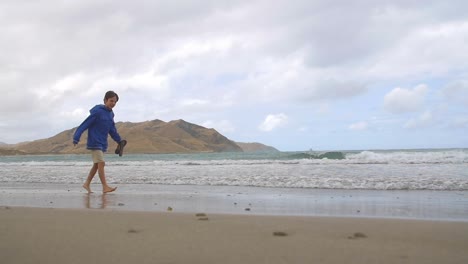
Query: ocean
(428, 169)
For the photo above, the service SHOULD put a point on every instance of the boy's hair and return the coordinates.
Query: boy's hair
(111, 94)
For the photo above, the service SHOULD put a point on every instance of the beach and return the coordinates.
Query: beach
(50, 223)
(50, 235)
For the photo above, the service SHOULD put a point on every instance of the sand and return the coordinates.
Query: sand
(47, 223)
(415, 204)
(57, 235)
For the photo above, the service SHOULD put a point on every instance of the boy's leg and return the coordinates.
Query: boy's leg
(102, 175)
(92, 172)
(98, 159)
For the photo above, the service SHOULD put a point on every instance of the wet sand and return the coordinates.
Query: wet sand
(51, 235)
(423, 205)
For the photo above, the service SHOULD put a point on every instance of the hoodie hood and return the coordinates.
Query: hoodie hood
(98, 108)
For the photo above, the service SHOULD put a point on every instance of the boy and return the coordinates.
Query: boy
(99, 124)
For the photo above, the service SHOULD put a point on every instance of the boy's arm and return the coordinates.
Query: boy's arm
(85, 125)
(114, 134)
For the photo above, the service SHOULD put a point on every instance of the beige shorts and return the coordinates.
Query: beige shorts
(98, 155)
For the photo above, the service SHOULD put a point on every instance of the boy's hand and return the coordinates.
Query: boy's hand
(120, 147)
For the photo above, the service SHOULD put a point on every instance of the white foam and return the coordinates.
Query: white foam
(393, 170)
(410, 157)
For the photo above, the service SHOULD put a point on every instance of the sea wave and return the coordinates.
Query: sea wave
(450, 156)
(299, 158)
(373, 170)
(410, 157)
(269, 181)
(334, 155)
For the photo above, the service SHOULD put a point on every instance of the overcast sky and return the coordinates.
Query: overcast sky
(326, 75)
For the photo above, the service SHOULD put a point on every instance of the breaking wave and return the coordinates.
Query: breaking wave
(374, 170)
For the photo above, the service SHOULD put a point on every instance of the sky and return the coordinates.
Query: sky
(295, 75)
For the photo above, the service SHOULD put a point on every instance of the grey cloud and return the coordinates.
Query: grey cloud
(337, 89)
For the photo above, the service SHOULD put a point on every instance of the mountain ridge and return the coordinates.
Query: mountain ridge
(148, 137)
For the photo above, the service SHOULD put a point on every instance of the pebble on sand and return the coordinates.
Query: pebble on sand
(357, 235)
(279, 233)
(134, 231)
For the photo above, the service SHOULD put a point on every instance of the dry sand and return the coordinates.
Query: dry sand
(51, 235)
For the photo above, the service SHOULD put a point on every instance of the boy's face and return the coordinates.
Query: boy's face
(110, 103)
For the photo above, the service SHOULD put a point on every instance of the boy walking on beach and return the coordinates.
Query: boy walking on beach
(99, 124)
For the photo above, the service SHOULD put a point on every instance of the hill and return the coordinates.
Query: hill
(10, 152)
(154, 136)
(255, 147)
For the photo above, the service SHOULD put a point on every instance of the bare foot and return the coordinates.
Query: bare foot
(87, 188)
(108, 189)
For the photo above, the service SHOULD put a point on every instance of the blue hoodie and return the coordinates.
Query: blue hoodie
(99, 123)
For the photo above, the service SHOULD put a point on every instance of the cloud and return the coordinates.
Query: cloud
(423, 49)
(290, 79)
(359, 126)
(65, 87)
(272, 122)
(401, 100)
(218, 60)
(79, 112)
(457, 91)
(424, 120)
(222, 126)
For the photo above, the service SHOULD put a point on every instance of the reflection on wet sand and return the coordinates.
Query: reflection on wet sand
(95, 201)
(421, 204)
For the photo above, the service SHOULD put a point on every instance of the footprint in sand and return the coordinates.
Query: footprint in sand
(357, 235)
(133, 231)
(202, 216)
(280, 233)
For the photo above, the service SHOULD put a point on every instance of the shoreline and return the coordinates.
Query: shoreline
(235, 200)
(52, 235)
